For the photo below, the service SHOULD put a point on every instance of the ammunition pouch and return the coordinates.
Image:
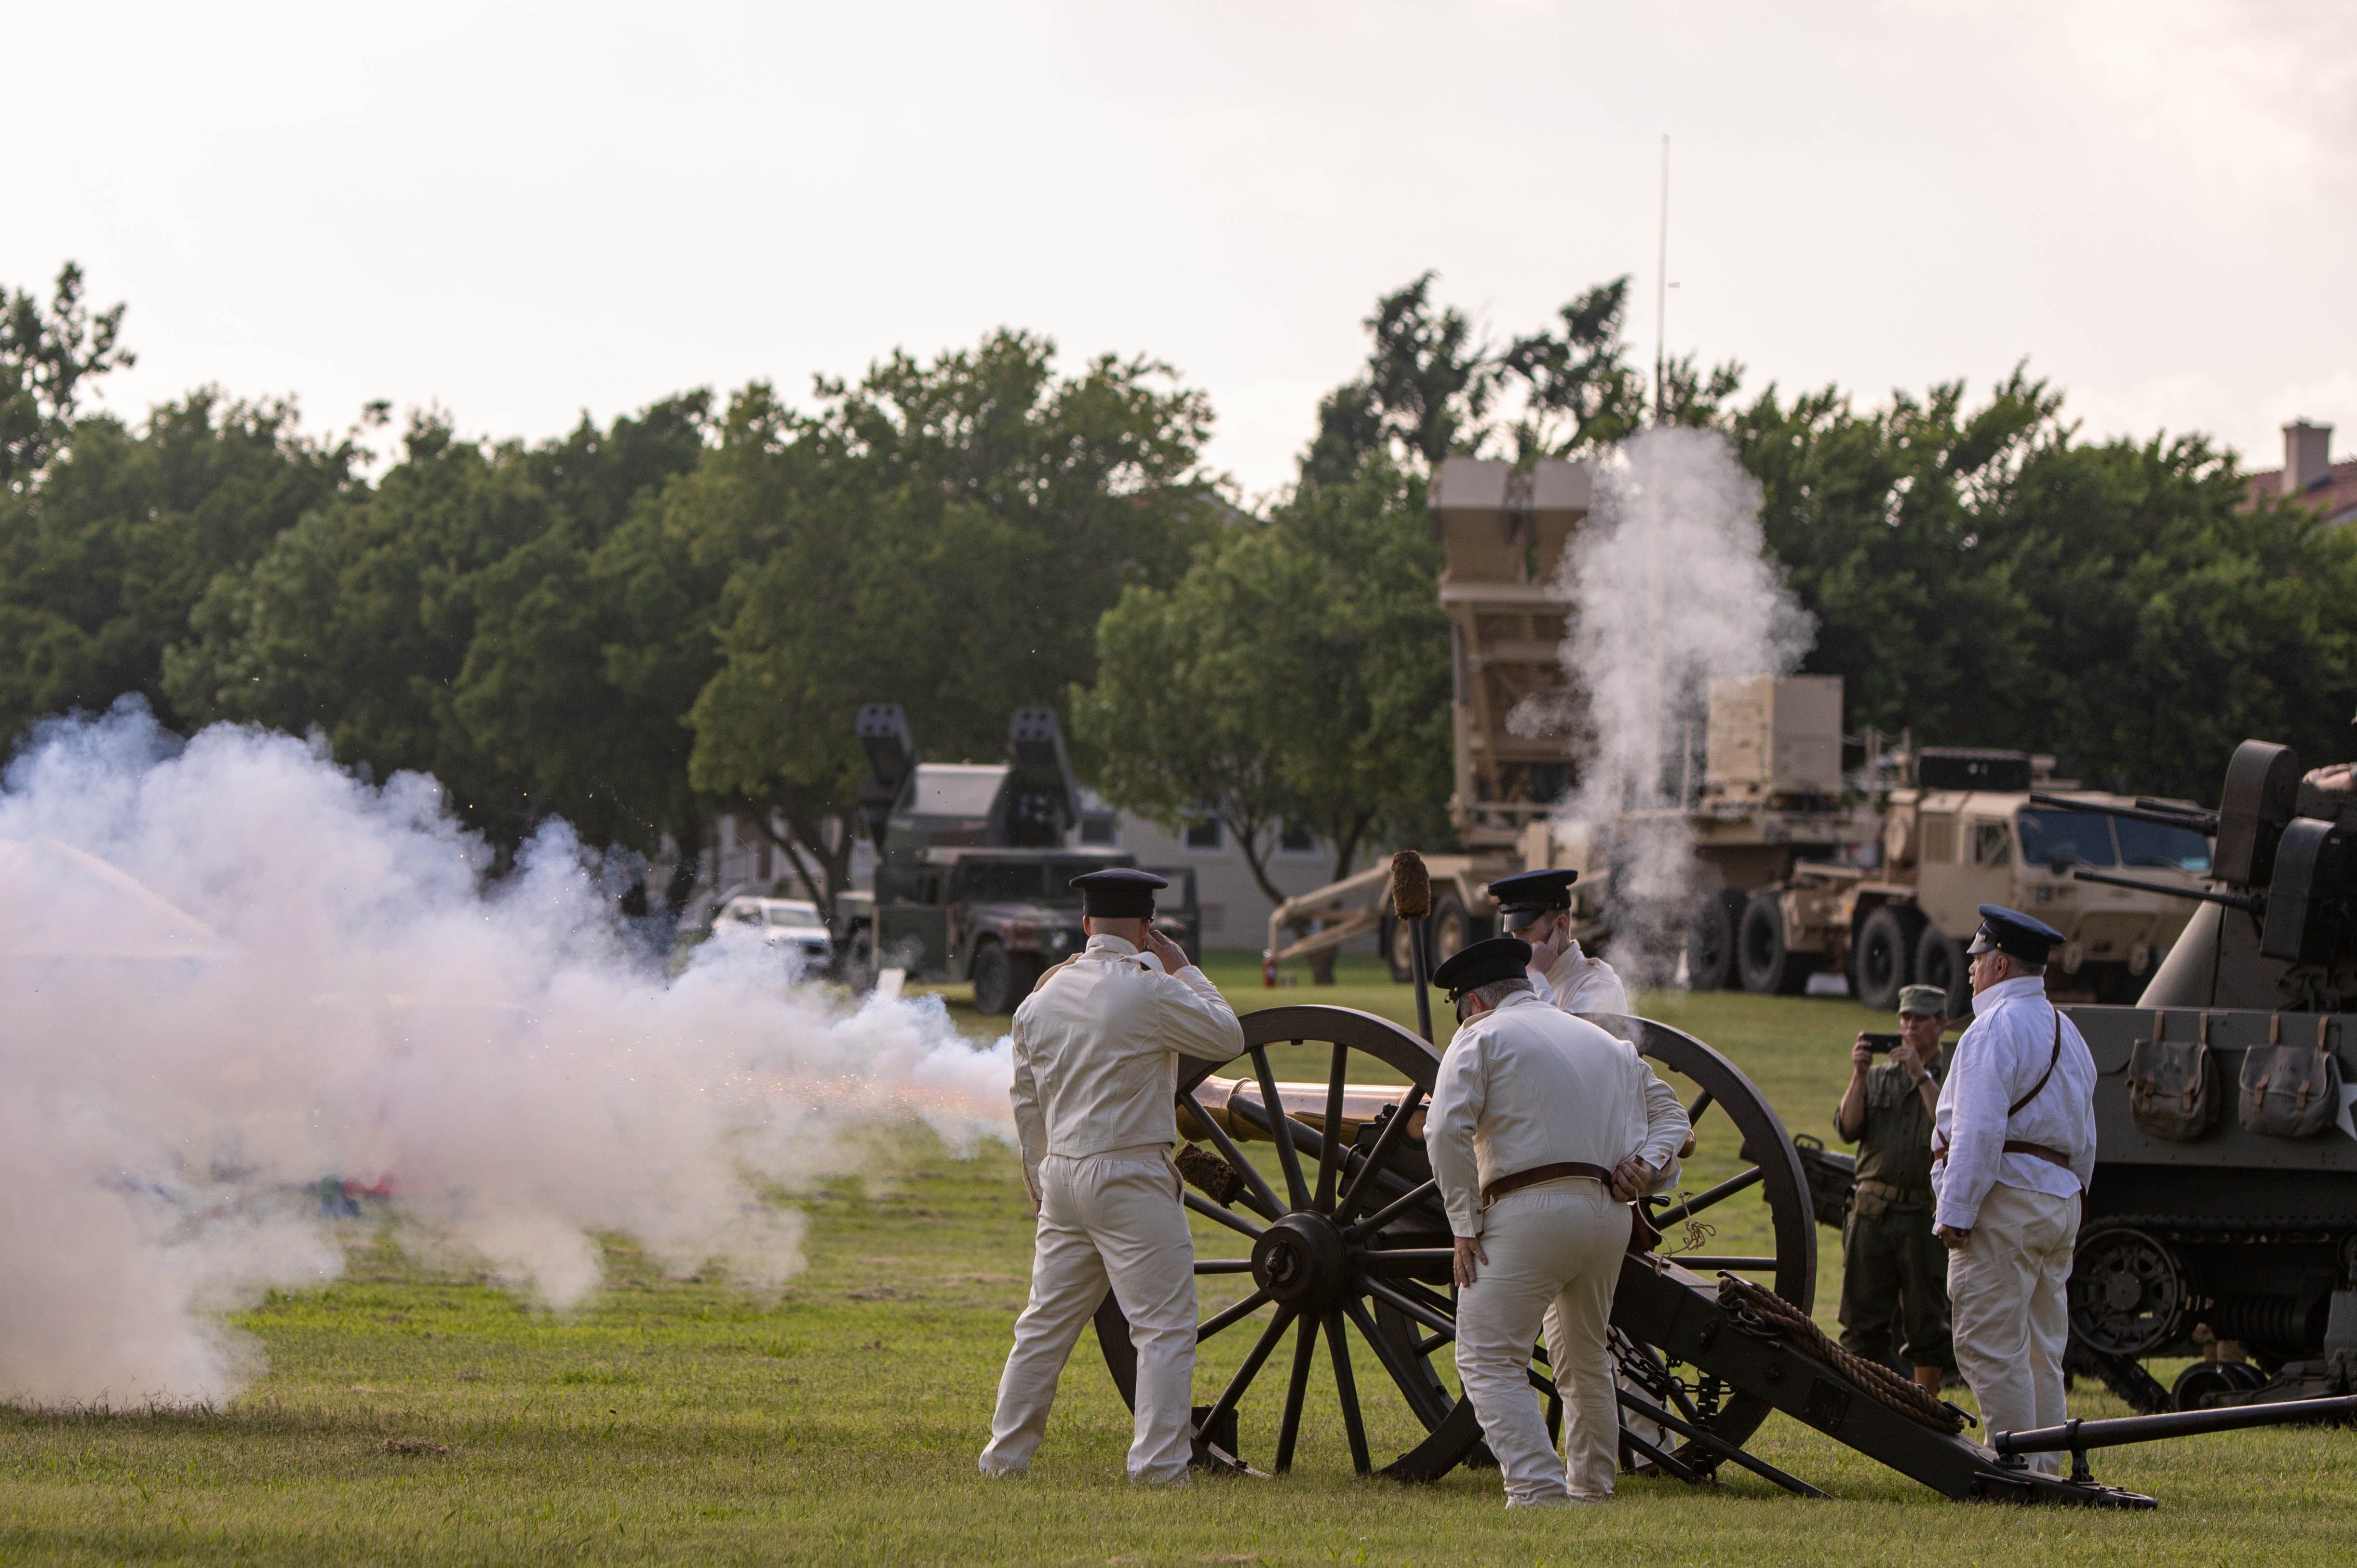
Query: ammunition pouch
(2290, 1091)
(1873, 1199)
(2173, 1084)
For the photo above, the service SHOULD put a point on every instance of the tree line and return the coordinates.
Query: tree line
(644, 624)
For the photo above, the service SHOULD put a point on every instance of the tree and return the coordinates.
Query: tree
(1580, 391)
(445, 620)
(102, 561)
(1297, 674)
(942, 535)
(549, 691)
(45, 356)
(1982, 577)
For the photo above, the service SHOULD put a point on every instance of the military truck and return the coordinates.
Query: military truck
(1967, 827)
(975, 864)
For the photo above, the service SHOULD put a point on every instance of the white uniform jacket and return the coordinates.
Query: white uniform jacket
(2002, 1054)
(1578, 983)
(1097, 1047)
(1524, 1085)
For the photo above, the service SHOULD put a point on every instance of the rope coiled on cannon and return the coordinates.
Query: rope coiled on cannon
(1900, 1393)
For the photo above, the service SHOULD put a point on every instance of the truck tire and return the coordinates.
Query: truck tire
(1710, 941)
(1397, 955)
(1885, 955)
(1002, 980)
(1769, 968)
(1940, 960)
(1452, 930)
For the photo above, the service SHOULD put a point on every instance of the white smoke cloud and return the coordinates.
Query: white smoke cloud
(232, 970)
(1669, 588)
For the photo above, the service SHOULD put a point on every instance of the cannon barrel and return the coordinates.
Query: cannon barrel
(2250, 902)
(1303, 1104)
(2144, 811)
(2077, 1436)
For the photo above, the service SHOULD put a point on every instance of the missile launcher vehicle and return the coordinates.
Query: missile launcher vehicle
(975, 864)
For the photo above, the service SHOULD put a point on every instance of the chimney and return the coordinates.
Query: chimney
(2308, 460)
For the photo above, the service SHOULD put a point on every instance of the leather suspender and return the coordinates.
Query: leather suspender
(1940, 1156)
(2015, 1108)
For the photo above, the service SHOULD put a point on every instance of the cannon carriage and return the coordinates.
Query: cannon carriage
(1340, 1263)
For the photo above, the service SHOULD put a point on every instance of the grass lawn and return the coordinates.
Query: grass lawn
(412, 1415)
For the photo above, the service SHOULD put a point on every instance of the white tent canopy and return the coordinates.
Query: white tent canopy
(58, 902)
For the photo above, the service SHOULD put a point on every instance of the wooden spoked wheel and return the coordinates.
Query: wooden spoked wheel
(1340, 1228)
(1746, 1197)
(1344, 1242)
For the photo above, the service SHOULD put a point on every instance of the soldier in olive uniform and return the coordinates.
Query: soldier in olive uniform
(1894, 1271)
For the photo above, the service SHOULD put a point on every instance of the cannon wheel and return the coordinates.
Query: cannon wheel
(1359, 1242)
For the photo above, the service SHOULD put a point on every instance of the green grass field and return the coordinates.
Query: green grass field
(416, 1415)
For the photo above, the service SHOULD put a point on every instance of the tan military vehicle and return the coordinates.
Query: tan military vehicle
(1962, 832)
(1817, 852)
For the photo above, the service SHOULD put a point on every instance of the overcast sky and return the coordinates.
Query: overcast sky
(521, 212)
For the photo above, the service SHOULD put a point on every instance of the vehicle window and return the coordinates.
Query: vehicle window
(988, 880)
(2083, 838)
(2150, 843)
(794, 917)
(1992, 844)
(745, 915)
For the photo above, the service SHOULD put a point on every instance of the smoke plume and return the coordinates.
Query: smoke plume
(233, 970)
(1669, 588)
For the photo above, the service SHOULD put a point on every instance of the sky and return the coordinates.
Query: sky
(518, 213)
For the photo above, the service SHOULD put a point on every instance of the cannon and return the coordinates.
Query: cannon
(2217, 1226)
(1340, 1260)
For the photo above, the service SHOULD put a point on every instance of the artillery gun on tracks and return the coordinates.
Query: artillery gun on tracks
(1348, 1238)
(2222, 1219)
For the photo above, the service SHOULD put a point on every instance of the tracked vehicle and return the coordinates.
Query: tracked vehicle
(2222, 1220)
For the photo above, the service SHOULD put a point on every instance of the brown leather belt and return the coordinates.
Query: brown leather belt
(1903, 1196)
(2051, 1156)
(1537, 1174)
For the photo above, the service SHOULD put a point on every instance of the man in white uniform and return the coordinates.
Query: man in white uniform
(1096, 1061)
(2013, 1147)
(1544, 1129)
(1536, 906)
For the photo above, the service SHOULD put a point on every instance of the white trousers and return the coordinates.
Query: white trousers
(1108, 1219)
(2012, 1318)
(1553, 1255)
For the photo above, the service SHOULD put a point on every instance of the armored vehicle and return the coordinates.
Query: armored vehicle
(2222, 1220)
(975, 864)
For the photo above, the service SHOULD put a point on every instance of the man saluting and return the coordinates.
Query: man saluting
(1096, 1070)
(1544, 1129)
(1536, 906)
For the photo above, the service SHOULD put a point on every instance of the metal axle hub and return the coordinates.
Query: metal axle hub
(1302, 1261)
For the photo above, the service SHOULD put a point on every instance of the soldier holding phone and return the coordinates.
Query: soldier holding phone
(1894, 1271)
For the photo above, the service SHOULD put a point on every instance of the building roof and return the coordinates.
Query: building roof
(2335, 496)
